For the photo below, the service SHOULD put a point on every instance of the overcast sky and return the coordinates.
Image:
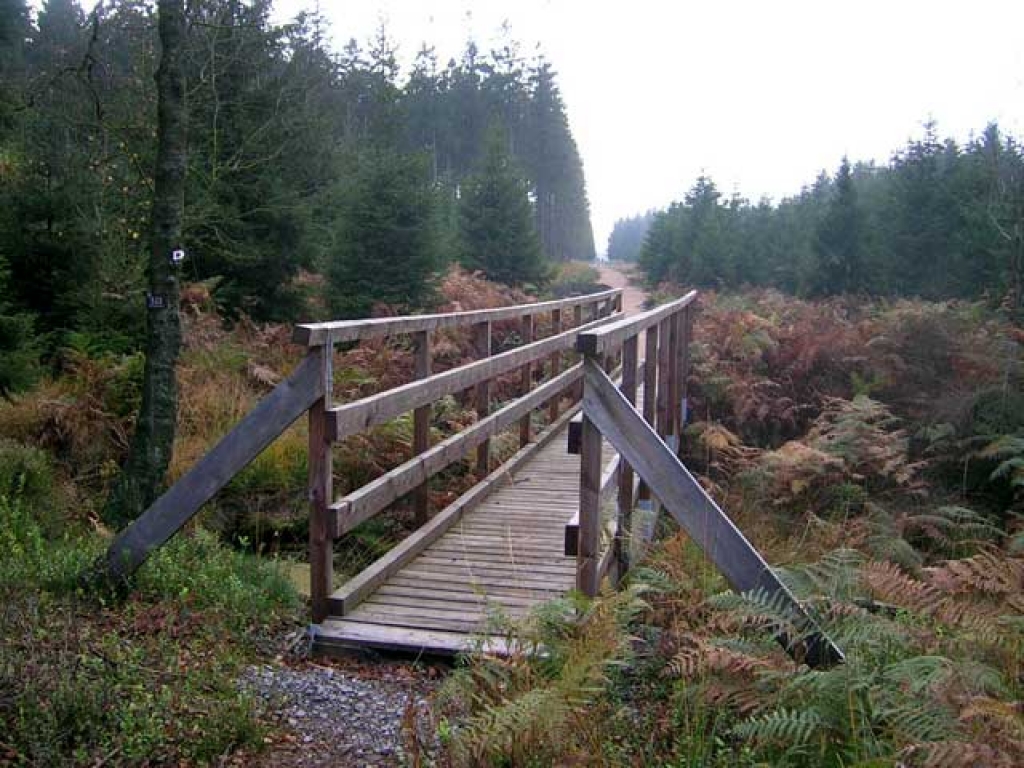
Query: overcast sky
(759, 95)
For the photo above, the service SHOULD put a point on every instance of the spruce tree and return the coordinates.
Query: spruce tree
(385, 237)
(839, 245)
(496, 230)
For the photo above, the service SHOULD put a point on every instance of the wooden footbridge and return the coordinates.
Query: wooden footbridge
(598, 439)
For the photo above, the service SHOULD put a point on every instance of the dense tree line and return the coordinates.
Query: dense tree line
(628, 235)
(940, 220)
(287, 142)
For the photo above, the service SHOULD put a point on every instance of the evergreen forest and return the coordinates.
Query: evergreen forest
(942, 220)
(300, 158)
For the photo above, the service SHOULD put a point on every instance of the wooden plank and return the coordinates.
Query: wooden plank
(421, 425)
(344, 634)
(691, 506)
(611, 336)
(357, 416)
(274, 414)
(555, 585)
(414, 604)
(404, 552)
(525, 381)
(590, 504)
(315, 334)
(415, 594)
(482, 399)
(364, 503)
(684, 373)
(459, 563)
(444, 583)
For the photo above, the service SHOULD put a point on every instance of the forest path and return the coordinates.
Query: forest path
(622, 276)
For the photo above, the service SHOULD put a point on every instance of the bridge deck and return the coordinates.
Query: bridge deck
(505, 554)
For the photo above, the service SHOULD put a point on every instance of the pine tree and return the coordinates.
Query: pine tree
(385, 246)
(840, 240)
(496, 228)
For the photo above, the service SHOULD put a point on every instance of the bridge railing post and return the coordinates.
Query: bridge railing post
(482, 347)
(321, 538)
(526, 380)
(556, 364)
(421, 423)
(624, 505)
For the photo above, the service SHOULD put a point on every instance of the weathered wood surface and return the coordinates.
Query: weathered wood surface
(610, 337)
(274, 414)
(421, 422)
(350, 594)
(694, 510)
(354, 417)
(368, 500)
(316, 334)
(504, 555)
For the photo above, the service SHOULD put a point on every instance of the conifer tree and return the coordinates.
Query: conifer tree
(496, 228)
(839, 244)
(385, 246)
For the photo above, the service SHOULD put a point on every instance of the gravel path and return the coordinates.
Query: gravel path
(341, 714)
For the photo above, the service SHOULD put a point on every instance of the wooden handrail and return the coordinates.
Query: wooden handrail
(611, 336)
(354, 417)
(335, 331)
(613, 417)
(362, 504)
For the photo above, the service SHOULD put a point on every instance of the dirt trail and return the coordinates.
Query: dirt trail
(619, 277)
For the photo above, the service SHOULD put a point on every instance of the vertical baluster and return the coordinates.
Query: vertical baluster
(650, 387)
(421, 423)
(482, 345)
(625, 495)
(321, 539)
(556, 362)
(526, 381)
(587, 553)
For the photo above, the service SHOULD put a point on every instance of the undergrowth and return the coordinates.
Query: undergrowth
(873, 453)
(148, 681)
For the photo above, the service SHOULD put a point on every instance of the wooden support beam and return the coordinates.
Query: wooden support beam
(364, 503)
(556, 363)
(526, 381)
(274, 414)
(624, 504)
(608, 413)
(590, 508)
(650, 389)
(421, 423)
(482, 347)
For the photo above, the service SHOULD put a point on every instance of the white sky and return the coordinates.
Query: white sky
(760, 95)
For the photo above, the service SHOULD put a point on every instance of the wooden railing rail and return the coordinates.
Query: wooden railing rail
(337, 331)
(609, 414)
